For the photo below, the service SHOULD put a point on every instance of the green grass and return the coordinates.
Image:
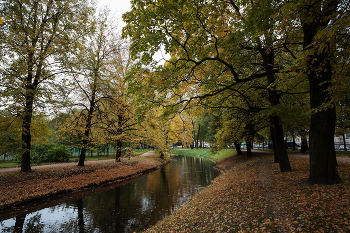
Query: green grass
(206, 153)
(343, 153)
(8, 163)
(12, 163)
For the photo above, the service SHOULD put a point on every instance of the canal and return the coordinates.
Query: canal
(132, 207)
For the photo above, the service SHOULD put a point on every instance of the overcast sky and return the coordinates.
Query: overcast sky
(118, 7)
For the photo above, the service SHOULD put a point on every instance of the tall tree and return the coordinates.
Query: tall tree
(322, 26)
(36, 33)
(93, 80)
(210, 56)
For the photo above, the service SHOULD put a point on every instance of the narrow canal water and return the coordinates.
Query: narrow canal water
(132, 207)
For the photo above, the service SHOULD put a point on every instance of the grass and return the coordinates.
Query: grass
(343, 153)
(12, 163)
(206, 153)
(7, 163)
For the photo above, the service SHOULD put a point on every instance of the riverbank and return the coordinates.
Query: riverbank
(45, 181)
(253, 196)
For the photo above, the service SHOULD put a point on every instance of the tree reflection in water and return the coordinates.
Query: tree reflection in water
(129, 208)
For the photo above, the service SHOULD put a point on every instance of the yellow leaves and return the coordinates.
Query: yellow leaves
(1, 21)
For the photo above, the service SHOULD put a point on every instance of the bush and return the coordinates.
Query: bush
(58, 154)
(49, 153)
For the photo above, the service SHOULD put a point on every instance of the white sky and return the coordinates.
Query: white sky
(118, 8)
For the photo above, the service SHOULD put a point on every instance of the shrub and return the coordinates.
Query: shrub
(58, 154)
(49, 153)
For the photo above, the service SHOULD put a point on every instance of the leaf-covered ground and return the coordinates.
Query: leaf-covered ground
(17, 187)
(253, 196)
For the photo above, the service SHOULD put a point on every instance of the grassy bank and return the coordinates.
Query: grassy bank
(206, 153)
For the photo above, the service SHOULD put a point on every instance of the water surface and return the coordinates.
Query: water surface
(132, 207)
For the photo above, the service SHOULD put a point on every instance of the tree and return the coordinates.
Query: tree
(219, 45)
(10, 133)
(162, 132)
(342, 122)
(209, 56)
(322, 24)
(35, 36)
(91, 73)
(119, 122)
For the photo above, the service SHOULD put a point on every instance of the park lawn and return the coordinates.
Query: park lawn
(343, 153)
(7, 163)
(12, 163)
(206, 153)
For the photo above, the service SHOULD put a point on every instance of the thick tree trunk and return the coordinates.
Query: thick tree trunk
(322, 153)
(26, 127)
(119, 151)
(238, 147)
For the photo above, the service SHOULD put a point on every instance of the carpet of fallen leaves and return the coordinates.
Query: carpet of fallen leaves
(18, 188)
(253, 196)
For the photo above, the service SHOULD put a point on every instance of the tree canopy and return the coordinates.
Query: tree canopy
(252, 51)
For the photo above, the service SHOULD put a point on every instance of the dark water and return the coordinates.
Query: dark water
(129, 208)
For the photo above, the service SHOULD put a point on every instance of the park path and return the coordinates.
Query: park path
(58, 165)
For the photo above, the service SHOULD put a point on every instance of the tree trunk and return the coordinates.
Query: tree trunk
(26, 127)
(87, 132)
(275, 157)
(304, 146)
(322, 153)
(280, 151)
(197, 140)
(279, 146)
(83, 149)
(286, 142)
(119, 151)
(293, 143)
(19, 223)
(80, 206)
(344, 143)
(118, 211)
(238, 147)
(249, 148)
